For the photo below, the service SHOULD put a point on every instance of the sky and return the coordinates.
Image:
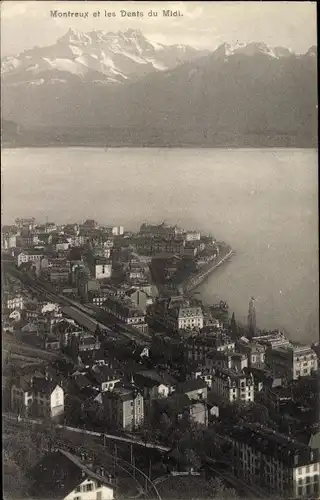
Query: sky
(28, 24)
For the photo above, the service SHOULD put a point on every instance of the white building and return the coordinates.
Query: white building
(274, 462)
(62, 475)
(8, 241)
(31, 256)
(102, 269)
(15, 302)
(38, 397)
(62, 245)
(291, 361)
(232, 385)
(192, 236)
(124, 406)
(186, 318)
(117, 231)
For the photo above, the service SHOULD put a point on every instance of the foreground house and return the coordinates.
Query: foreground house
(62, 476)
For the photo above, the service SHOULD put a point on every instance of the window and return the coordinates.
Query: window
(315, 467)
(300, 481)
(78, 489)
(307, 469)
(77, 498)
(99, 495)
(88, 487)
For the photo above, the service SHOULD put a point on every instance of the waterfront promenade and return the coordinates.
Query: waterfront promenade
(197, 278)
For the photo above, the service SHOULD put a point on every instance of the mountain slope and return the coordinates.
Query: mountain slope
(249, 95)
(96, 56)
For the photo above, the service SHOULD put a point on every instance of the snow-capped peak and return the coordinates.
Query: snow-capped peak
(99, 56)
(251, 49)
(74, 36)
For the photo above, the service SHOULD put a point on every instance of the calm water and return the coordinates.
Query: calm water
(262, 202)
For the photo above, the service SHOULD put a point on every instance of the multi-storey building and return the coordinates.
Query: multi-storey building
(101, 268)
(29, 256)
(271, 339)
(205, 350)
(8, 241)
(98, 298)
(124, 407)
(126, 311)
(15, 302)
(229, 360)
(255, 353)
(37, 397)
(117, 230)
(291, 362)
(274, 462)
(232, 385)
(192, 236)
(57, 271)
(161, 230)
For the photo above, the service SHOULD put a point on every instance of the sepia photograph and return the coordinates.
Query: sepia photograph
(160, 250)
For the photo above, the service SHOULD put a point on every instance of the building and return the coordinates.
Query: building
(272, 339)
(38, 397)
(139, 298)
(98, 298)
(56, 270)
(8, 241)
(209, 350)
(29, 256)
(89, 342)
(63, 476)
(233, 386)
(89, 225)
(192, 236)
(154, 385)
(15, 302)
(195, 389)
(160, 230)
(101, 268)
(26, 223)
(184, 317)
(104, 378)
(227, 359)
(291, 362)
(117, 231)
(127, 312)
(124, 407)
(62, 244)
(274, 462)
(255, 353)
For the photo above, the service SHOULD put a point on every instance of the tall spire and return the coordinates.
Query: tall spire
(252, 318)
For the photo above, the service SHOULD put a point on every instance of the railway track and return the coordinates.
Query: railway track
(45, 290)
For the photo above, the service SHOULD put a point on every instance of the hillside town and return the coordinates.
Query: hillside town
(119, 382)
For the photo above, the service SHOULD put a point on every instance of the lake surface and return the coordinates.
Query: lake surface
(263, 202)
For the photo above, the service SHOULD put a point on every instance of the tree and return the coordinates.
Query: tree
(191, 459)
(234, 327)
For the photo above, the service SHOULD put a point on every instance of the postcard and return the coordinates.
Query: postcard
(159, 242)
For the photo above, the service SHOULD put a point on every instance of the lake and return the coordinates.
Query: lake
(264, 202)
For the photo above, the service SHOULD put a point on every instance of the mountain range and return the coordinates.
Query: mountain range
(124, 89)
